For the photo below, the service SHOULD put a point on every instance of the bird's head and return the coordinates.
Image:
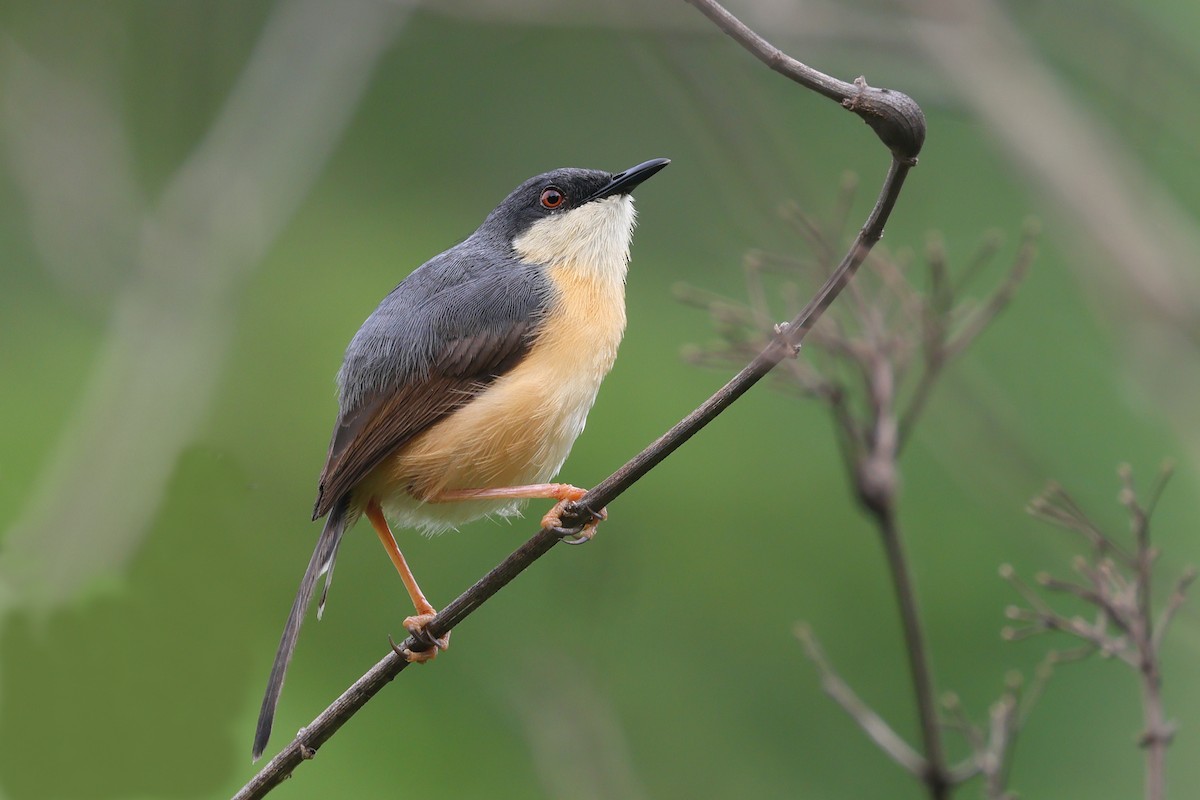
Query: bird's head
(581, 217)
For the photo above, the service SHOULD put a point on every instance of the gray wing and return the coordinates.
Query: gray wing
(441, 337)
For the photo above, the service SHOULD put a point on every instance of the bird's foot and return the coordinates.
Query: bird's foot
(416, 626)
(586, 522)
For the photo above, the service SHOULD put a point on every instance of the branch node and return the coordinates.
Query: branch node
(1162, 735)
(894, 116)
(781, 330)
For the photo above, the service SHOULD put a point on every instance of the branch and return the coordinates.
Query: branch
(310, 738)
(936, 776)
(943, 345)
(1118, 584)
(888, 112)
(896, 119)
(876, 728)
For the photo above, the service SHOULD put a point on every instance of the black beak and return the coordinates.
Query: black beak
(624, 182)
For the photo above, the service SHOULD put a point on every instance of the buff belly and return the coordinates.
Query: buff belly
(521, 428)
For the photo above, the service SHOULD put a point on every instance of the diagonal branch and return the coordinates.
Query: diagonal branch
(327, 723)
(874, 726)
(900, 123)
(896, 119)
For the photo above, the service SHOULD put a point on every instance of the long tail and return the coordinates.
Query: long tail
(321, 564)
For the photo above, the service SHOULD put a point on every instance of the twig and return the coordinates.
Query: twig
(991, 750)
(886, 333)
(1174, 602)
(936, 775)
(890, 742)
(1118, 583)
(941, 345)
(316, 733)
(895, 118)
(900, 123)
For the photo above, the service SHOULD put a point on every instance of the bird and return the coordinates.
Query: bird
(462, 393)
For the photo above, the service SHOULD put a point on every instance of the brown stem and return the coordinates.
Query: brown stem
(937, 778)
(327, 723)
(876, 484)
(1157, 733)
(872, 724)
(896, 119)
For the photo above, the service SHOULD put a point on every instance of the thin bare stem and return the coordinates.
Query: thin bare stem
(1173, 604)
(936, 775)
(876, 729)
(316, 733)
(992, 307)
(1058, 508)
(940, 345)
(896, 119)
(1118, 583)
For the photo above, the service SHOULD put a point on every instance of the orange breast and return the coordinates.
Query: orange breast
(521, 428)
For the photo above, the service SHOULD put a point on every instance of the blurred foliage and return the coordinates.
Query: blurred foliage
(669, 637)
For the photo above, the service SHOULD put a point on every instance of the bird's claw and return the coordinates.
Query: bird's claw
(576, 534)
(416, 626)
(583, 536)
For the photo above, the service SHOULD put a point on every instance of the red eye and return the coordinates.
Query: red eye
(552, 198)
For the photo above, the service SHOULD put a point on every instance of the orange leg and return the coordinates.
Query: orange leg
(547, 491)
(562, 492)
(425, 611)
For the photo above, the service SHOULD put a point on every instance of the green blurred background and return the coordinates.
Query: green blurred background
(201, 201)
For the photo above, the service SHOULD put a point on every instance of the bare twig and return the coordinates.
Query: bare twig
(1007, 718)
(887, 331)
(937, 774)
(1058, 508)
(888, 326)
(1173, 604)
(942, 344)
(316, 733)
(1117, 582)
(900, 124)
(886, 739)
(991, 748)
(895, 118)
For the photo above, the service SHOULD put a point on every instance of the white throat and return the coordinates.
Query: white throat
(593, 238)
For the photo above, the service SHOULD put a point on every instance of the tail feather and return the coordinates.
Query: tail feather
(327, 571)
(321, 564)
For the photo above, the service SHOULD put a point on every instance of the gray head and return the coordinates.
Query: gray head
(579, 215)
(557, 193)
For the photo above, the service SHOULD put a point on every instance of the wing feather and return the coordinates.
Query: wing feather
(366, 435)
(450, 329)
